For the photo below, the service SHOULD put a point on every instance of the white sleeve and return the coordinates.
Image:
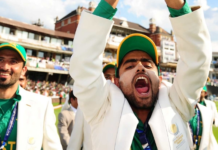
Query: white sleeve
(77, 135)
(51, 139)
(194, 47)
(86, 64)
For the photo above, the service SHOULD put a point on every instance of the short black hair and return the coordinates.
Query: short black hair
(71, 95)
(26, 74)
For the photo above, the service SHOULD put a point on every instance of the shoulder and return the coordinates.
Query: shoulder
(209, 102)
(33, 96)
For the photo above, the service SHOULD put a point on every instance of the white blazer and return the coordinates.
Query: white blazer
(107, 111)
(211, 105)
(81, 135)
(36, 123)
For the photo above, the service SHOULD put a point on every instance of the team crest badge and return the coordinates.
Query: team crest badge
(174, 129)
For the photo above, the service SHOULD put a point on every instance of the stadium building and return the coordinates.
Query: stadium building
(164, 41)
(48, 51)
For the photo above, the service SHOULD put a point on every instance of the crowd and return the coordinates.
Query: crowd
(47, 88)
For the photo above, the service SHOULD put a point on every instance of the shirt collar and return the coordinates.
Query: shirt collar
(17, 96)
(74, 109)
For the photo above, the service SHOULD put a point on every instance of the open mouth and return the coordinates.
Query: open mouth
(142, 85)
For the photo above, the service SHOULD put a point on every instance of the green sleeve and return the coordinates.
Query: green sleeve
(184, 10)
(105, 10)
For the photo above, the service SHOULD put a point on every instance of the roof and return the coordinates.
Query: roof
(72, 13)
(35, 28)
(131, 25)
(162, 31)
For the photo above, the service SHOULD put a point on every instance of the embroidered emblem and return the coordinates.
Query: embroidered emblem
(174, 129)
(13, 44)
(31, 140)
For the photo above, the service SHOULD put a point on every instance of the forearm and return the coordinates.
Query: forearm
(175, 4)
(113, 3)
(86, 63)
(194, 47)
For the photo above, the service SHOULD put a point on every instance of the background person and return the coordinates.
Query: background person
(32, 115)
(81, 135)
(23, 80)
(66, 121)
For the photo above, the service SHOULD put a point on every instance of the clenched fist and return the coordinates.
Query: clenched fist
(113, 3)
(175, 4)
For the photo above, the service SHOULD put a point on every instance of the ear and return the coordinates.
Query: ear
(160, 80)
(116, 82)
(24, 70)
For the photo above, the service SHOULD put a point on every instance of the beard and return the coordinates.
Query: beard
(132, 99)
(4, 84)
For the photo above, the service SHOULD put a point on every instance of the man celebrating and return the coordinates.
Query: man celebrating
(27, 120)
(81, 135)
(144, 112)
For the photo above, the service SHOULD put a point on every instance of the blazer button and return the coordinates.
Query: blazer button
(31, 141)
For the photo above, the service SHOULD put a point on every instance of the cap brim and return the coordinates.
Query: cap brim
(3, 47)
(137, 42)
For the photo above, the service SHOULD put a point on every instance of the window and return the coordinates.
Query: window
(62, 23)
(46, 39)
(53, 40)
(67, 59)
(40, 54)
(70, 43)
(1, 29)
(24, 35)
(29, 52)
(19, 33)
(31, 36)
(59, 41)
(6, 30)
(58, 57)
(69, 21)
(108, 54)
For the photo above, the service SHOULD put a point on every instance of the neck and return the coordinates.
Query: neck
(142, 114)
(201, 100)
(8, 93)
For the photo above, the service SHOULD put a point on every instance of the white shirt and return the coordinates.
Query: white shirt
(74, 109)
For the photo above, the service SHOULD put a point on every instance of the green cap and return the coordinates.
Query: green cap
(205, 89)
(16, 47)
(136, 42)
(109, 65)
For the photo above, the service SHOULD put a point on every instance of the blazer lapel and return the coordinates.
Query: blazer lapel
(127, 128)
(207, 124)
(24, 115)
(166, 125)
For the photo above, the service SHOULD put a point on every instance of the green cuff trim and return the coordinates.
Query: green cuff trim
(105, 10)
(184, 10)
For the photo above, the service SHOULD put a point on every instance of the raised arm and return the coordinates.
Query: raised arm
(194, 47)
(86, 63)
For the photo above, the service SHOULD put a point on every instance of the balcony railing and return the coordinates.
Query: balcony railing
(33, 42)
(46, 64)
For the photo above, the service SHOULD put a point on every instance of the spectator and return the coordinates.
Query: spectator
(66, 121)
(23, 80)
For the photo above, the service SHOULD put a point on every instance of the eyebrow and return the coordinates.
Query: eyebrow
(135, 60)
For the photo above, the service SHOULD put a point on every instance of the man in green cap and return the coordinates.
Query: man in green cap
(143, 113)
(27, 120)
(209, 104)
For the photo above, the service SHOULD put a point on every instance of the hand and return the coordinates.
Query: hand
(113, 3)
(175, 4)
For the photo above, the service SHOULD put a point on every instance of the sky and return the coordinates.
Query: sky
(138, 11)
